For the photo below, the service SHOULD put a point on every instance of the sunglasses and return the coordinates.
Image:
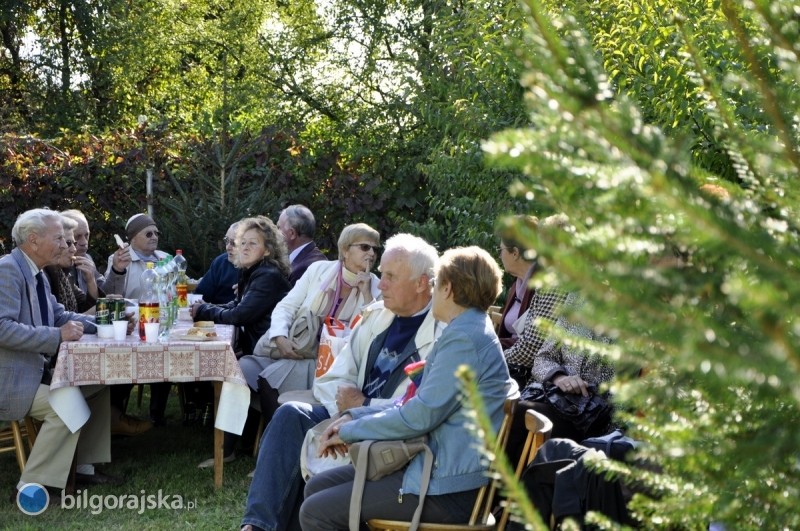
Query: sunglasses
(229, 241)
(151, 233)
(365, 247)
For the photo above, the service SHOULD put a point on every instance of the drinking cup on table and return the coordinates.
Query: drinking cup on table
(120, 330)
(105, 331)
(151, 332)
(184, 315)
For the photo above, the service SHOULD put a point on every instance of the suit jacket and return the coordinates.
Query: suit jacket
(25, 344)
(307, 256)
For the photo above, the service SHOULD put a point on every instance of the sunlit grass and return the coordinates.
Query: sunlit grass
(164, 458)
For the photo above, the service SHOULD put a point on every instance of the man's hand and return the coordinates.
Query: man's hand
(132, 319)
(121, 258)
(71, 331)
(348, 397)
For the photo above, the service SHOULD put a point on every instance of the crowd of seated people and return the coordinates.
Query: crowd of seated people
(421, 307)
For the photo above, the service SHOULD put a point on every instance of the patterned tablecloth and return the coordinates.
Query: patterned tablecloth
(106, 361)
(92, 361)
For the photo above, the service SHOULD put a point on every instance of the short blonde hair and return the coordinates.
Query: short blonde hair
(474, 276)
(355, 232)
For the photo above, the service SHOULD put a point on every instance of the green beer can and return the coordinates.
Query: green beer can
(102, 311)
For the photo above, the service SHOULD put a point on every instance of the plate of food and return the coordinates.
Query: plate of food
(198, 334)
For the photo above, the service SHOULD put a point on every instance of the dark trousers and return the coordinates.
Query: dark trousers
(327, 502)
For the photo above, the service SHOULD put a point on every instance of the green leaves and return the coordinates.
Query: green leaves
(697, 284)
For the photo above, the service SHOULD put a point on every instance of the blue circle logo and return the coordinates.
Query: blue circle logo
(32, 499)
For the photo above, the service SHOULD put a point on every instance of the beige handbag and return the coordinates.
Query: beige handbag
(304, 332)
(376, 459)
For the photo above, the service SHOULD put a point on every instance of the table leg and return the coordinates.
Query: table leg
(218, 439)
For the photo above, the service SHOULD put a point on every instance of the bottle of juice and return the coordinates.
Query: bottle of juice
(182, 284)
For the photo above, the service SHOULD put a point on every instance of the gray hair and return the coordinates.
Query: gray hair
(68, 223)
(301, 220)
(75, 215)
(423, 257)
(32, 221)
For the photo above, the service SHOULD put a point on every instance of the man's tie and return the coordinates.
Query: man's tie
(43, 305)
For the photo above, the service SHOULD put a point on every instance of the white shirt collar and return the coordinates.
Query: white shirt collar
(294, 253)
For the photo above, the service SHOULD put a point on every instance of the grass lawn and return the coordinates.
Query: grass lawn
(164, 458)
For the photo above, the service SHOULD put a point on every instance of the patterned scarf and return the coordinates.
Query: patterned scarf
(64, 292)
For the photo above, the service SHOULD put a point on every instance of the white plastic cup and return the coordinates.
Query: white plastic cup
(105, 331)
(120, 330)
(191, 298)
(184, 315)
(151, 332)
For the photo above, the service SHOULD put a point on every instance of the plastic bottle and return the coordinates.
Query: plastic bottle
(182, 284)
(163, 297)
(148, 300)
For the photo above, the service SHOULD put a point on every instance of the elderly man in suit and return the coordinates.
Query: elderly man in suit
(297, 224)
(32, 325)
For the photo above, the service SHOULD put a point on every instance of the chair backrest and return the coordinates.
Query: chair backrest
(540, 428)
(484, 501)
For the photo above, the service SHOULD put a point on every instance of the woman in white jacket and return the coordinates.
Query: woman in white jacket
(339, 288)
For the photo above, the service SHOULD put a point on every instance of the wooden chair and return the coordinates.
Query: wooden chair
(540, 428)
(481, 518)
(13, 434)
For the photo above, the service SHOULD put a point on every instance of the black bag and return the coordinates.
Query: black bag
(581, 411)
(615, 444)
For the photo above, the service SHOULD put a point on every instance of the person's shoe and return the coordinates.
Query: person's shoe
(54, 493)
(98, 478)
(210, 462)
(129, 426)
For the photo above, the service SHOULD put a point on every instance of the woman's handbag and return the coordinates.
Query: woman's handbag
(376, 459)
(581, 411)
(304, 333)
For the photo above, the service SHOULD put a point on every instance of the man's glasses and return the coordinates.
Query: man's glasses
(229, 241)
(70, 243)
(151, 233)
(365, 247)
